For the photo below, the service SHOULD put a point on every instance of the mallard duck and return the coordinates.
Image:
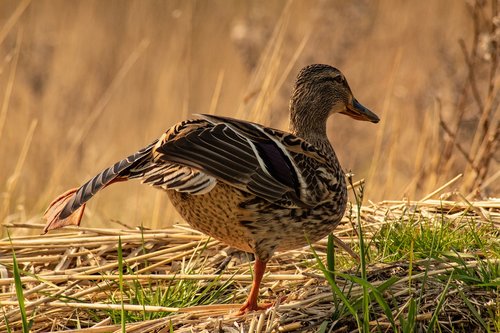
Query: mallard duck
(255, 188)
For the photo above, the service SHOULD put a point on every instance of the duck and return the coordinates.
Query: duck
(255, 188)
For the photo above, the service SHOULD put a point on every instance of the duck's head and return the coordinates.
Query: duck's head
(320, 91)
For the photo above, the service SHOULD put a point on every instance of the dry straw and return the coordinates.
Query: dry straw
(69, 275)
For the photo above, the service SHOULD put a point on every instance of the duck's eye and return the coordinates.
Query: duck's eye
(338, 79)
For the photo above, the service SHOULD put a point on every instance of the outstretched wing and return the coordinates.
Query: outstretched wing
(104, 178)
(240, 153)
(193, 155)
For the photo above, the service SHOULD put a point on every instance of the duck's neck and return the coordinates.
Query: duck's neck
(308, 122)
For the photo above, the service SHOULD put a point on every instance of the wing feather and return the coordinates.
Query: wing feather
(104, 178)
(238, 153)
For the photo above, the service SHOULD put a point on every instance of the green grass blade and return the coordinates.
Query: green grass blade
(330, 255)
(330, 262)
(19, 290)
(336, 290)
(7, 325)
(409, 324)
(322, 328)
(473, 310)
(362, 254)
(120, 282)
(439, 305)
(377, 294)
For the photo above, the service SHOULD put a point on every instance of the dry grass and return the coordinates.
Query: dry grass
(69, 276)
(85, 83)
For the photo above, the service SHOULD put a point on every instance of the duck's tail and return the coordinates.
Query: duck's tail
(67, 209)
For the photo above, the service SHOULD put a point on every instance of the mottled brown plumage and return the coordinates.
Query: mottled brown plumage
(255, 188)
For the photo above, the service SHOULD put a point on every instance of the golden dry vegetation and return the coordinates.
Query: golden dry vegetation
(179, 280)
(85, 83)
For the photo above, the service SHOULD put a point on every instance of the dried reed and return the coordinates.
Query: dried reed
(69, 275)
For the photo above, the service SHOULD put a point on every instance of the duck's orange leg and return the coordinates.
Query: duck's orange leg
(251, 303)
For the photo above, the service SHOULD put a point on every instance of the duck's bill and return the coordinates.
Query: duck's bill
(359, 112)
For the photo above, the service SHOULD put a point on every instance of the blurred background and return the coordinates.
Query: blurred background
(85, 83)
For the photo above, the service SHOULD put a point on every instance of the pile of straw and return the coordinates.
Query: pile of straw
(67, 277)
